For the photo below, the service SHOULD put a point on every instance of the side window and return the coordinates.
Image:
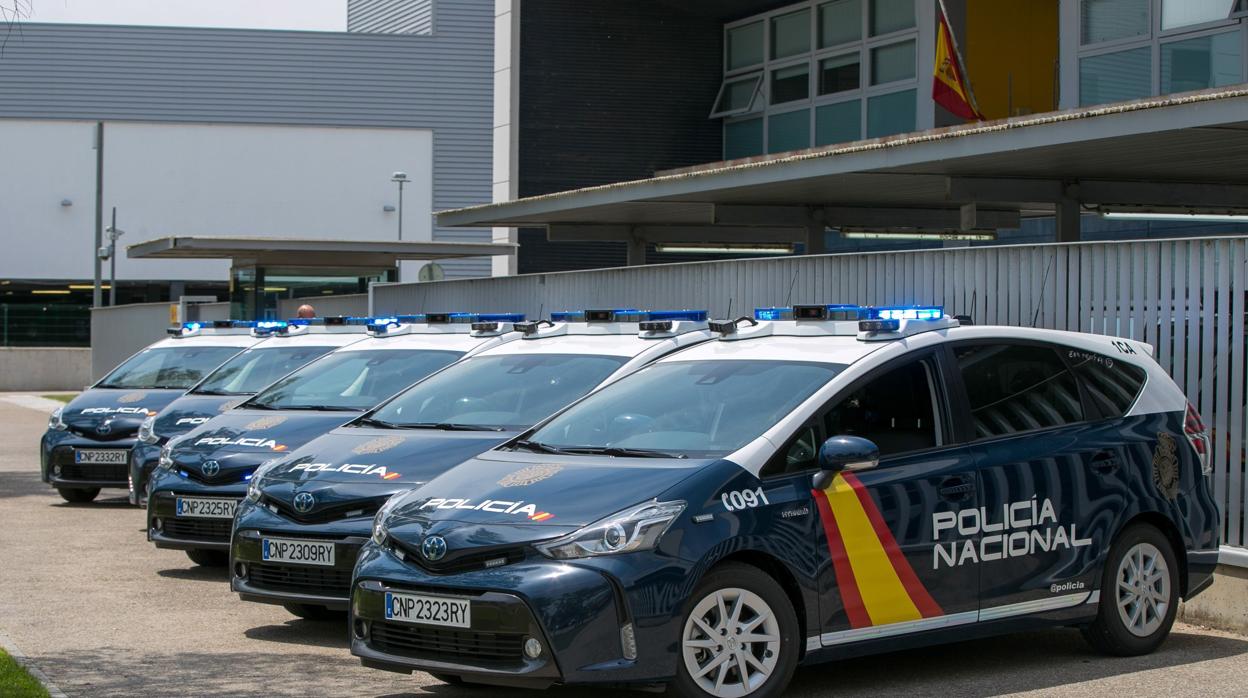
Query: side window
(1017, 387)
(897, 410)
(1111, 386)
(800, 454)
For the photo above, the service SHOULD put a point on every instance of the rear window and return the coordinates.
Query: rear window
(1112, 386)
(1017, 387)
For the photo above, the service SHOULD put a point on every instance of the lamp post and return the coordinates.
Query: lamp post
(110, 253)
(401, 179)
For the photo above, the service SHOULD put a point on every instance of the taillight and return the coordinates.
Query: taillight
(1194, 430)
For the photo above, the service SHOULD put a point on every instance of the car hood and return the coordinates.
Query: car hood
(190, 411)
(514, 494)
(242, 438)
(120, 412)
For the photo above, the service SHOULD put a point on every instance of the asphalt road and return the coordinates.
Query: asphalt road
(103, 613)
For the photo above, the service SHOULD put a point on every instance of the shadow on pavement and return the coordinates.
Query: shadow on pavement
(196, 573)
(20, 484)
(315, 633)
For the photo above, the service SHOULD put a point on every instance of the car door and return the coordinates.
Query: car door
(1044, 470)
(890, 534)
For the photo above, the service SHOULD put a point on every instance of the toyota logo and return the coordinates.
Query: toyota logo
(433, 548)
(104, 428)
(304, 501)
(210, 468)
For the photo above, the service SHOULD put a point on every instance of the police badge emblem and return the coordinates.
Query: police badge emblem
(1166, 466)
(231, 404)
(529, 475)
(377, 445)
(264, 423)
(131, 397)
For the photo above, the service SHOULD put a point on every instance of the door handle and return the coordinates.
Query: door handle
(1105, 461)
(956, 488)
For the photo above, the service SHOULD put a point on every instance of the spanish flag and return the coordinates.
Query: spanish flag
(950, 88)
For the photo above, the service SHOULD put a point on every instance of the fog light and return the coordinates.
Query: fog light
(532, 648)
(56, 470)
(240, 570)
(360, 629)
(157, 524)
(628, 641)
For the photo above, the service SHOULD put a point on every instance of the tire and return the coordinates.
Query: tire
(701, 648)
(78, 495)
(310, 612)
(1127, 625)
(209, 558)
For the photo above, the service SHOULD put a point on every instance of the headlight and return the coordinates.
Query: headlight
(55, 422)
(145, 431)
(253, 487)
(380, 530)
(638, 528)
(166, 457)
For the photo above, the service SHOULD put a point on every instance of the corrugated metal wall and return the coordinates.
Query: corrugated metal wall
(390, 16)
(1185, 297)
(442, 81)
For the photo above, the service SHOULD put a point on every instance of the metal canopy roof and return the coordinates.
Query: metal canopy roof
(311, 251)
(1179, 152)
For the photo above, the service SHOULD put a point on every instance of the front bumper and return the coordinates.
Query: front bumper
(143, 461)
(166, 529)
(576, 611)
(262, 581)
(59, 469)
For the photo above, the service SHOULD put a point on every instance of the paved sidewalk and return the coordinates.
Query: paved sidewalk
(103, 613)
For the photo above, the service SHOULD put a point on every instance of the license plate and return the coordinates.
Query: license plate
(201, 508)
(428, 610)
(299, 552)
(102, 456)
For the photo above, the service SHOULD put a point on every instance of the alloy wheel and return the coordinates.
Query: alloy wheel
(731, 643)
(1143, 589)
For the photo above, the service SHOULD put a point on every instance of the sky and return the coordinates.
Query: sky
(314, 15)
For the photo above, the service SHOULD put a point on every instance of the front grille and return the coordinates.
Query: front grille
(457, 564)
(445, 643)
(214, 530)
(117, 433)
(318, 581)
(113, 472)
(222, 478)
(357, 509)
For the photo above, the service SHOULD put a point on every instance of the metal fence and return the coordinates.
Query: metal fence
(1185, 297)
(44, 325)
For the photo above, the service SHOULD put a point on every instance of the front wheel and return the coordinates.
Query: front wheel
(739, 638)
(311, 612)
(1139, 594)
(78, 495)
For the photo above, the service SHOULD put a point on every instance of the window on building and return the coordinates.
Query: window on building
(1017, 387)
(1139, 48)
(847, 65)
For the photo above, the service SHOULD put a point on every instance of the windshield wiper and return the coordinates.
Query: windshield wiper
(218, 392)
(320, 408)
(379, 423)
(622, 452)
(536, 446)
(448, 426)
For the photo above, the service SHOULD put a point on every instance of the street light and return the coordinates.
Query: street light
(401, 178)
(109, 252)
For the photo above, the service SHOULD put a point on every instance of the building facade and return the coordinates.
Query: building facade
(234, 132)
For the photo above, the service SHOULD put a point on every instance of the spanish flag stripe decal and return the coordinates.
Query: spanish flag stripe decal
(918, 593)
(845, 581)
(878, 576)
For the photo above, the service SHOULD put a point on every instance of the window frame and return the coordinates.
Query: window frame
(754, 103)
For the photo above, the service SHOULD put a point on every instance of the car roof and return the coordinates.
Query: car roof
(241, 340)
(450, 341)
(602, 344)
(320, 339)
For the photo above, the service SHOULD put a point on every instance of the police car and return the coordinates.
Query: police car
(821, 482)
(88, 441)
(202, 475)
(296, 537)
(286, 346)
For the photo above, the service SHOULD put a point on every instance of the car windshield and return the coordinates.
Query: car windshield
(167, 367)
(252, 370)
(351, 380)
(511, 391)
(685, 409)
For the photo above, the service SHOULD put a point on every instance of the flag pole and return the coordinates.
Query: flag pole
(957, 55)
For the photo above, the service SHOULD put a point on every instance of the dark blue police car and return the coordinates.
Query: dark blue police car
(296, 537)
(820, 482)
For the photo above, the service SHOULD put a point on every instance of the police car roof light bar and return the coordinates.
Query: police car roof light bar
(907, 312)
(729, 326)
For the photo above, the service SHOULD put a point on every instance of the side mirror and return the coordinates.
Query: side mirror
(844, 453)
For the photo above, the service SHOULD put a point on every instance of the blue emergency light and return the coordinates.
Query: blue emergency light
(690, 315)
(826, 312)
(908, 312)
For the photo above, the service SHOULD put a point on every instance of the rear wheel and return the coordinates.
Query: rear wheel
(208, 558)
(310, 612)
(1139, 594)
(739, 638)
(78, 495)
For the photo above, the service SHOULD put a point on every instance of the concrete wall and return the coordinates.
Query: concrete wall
(44, 368)
(119, 331)
(1223, 605)
(354, 304)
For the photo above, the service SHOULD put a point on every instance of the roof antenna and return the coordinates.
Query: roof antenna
(1035, 317)
(729, 313)
(540, 308)
(789, 301)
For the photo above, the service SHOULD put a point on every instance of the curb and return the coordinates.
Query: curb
(53, 690)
